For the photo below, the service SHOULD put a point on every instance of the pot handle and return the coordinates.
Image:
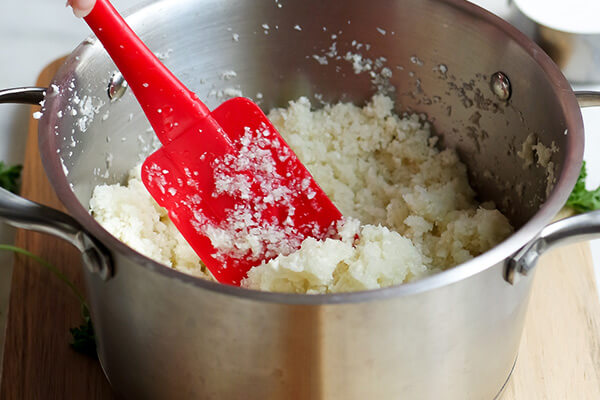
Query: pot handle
(587, 98)
(26, 214)
(566, 231)
(569, 230)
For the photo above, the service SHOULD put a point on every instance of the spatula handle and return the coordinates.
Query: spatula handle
(167, 103)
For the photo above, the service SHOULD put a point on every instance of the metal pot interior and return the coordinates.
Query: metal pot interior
(440, 55)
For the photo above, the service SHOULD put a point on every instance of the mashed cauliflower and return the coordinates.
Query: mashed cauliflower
(408, 207)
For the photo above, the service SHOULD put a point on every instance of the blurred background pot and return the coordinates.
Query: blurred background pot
(569, 32)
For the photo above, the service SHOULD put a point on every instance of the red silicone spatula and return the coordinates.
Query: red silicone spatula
(232, 186)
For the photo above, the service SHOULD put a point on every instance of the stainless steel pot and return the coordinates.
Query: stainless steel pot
(454, 335)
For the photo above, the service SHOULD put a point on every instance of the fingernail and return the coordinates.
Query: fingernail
(81, 8)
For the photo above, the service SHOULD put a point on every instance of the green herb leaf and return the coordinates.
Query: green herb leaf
(581, 199)
(83, 339)
(9, 177)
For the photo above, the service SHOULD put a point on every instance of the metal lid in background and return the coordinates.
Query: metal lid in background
(567, 31)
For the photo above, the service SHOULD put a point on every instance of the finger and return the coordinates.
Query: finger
(81, 8)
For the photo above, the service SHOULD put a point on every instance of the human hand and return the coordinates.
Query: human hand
(81, 8)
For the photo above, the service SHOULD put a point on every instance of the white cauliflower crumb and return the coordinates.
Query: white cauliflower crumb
(228, 75)
(232, 92)
(408, 208)
(342, 265)
(132, 215)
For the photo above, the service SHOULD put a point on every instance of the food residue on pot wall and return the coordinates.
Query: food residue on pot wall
(534, 152)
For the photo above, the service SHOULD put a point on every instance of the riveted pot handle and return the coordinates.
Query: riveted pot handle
(566, 231)
(26, 214)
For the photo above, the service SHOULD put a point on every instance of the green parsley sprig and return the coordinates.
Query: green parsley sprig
(581, 199)
(9, 176)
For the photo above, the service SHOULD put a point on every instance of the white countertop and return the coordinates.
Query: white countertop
(35, 32)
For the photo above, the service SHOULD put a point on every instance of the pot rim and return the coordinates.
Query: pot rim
(499, 254)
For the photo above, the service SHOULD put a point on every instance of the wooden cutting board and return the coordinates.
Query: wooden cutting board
(559, 356)
(38, 362)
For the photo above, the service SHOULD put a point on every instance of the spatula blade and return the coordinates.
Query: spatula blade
(239, 198)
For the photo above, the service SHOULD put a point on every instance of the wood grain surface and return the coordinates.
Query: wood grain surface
(38, 361)
(559, 356)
